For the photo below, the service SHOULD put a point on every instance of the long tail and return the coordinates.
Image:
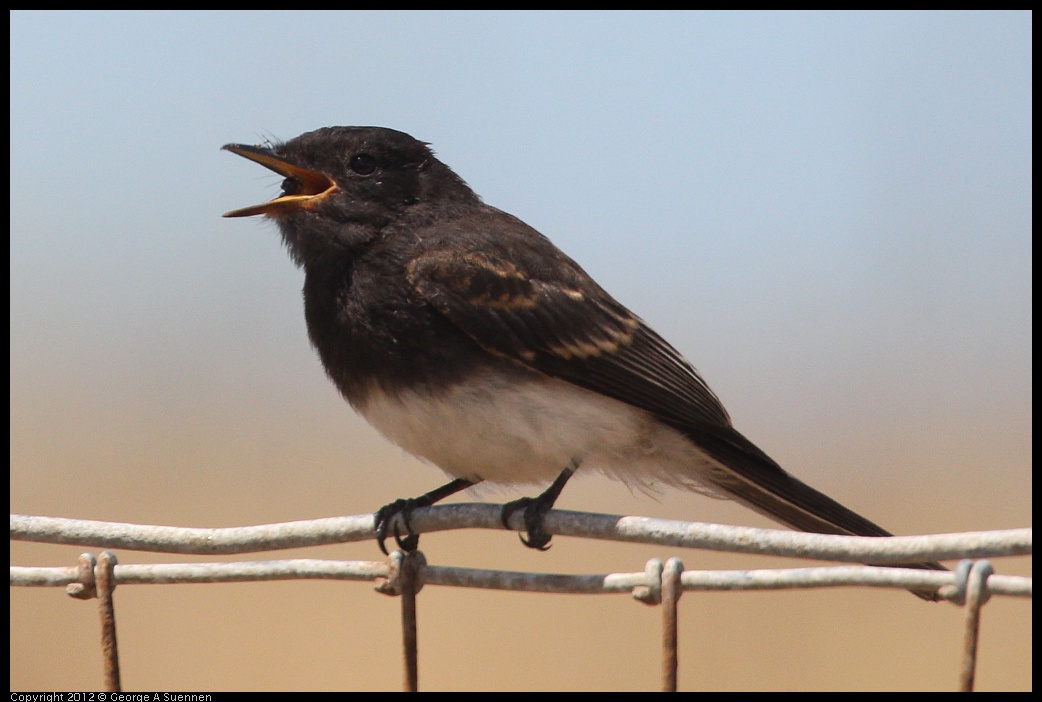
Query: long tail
(754, 479)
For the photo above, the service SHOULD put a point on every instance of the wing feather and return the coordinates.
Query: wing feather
(557, 320)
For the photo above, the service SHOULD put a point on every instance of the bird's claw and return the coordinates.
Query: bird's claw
(385, 516)
(534, 512)
(409, 543)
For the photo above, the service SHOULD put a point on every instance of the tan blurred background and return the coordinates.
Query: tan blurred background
(829, 214)
(325, 636)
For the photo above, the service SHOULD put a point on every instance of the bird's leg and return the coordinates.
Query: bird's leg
(535, 510)
(405, 506)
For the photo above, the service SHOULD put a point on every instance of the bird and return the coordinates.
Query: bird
(467, 338)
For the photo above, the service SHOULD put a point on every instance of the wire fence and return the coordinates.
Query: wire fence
(969, 585)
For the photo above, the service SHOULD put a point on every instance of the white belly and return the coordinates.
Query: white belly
(515, 431)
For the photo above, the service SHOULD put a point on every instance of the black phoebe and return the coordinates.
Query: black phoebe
(467, 338)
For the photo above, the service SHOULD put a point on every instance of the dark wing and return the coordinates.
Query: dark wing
(565, 325)
(546, 313)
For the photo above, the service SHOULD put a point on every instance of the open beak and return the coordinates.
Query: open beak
(301, 187)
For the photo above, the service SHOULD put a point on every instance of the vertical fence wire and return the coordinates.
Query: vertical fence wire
(106, 583)
(976, 589)
(672, 588)
(405, 574)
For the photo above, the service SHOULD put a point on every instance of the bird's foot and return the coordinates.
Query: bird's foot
(404, 507)
(535, 509)
(385, 516)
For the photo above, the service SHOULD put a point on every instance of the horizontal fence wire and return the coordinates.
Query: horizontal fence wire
(630, 529)
(451, 576)
(273, 537)
(404, 575)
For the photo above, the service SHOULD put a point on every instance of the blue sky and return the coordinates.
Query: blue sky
(839, 194)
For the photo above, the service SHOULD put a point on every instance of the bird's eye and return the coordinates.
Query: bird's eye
(292, 186)
(363, 164)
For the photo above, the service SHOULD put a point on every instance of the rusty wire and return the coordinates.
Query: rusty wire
(970, 585)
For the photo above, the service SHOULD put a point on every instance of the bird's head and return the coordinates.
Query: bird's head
(343, 185)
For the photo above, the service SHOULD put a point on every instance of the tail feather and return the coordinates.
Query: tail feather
(754, 479)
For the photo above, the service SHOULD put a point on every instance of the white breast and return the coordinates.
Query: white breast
(505, 430)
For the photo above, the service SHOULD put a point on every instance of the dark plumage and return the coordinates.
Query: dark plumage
(469, 339)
